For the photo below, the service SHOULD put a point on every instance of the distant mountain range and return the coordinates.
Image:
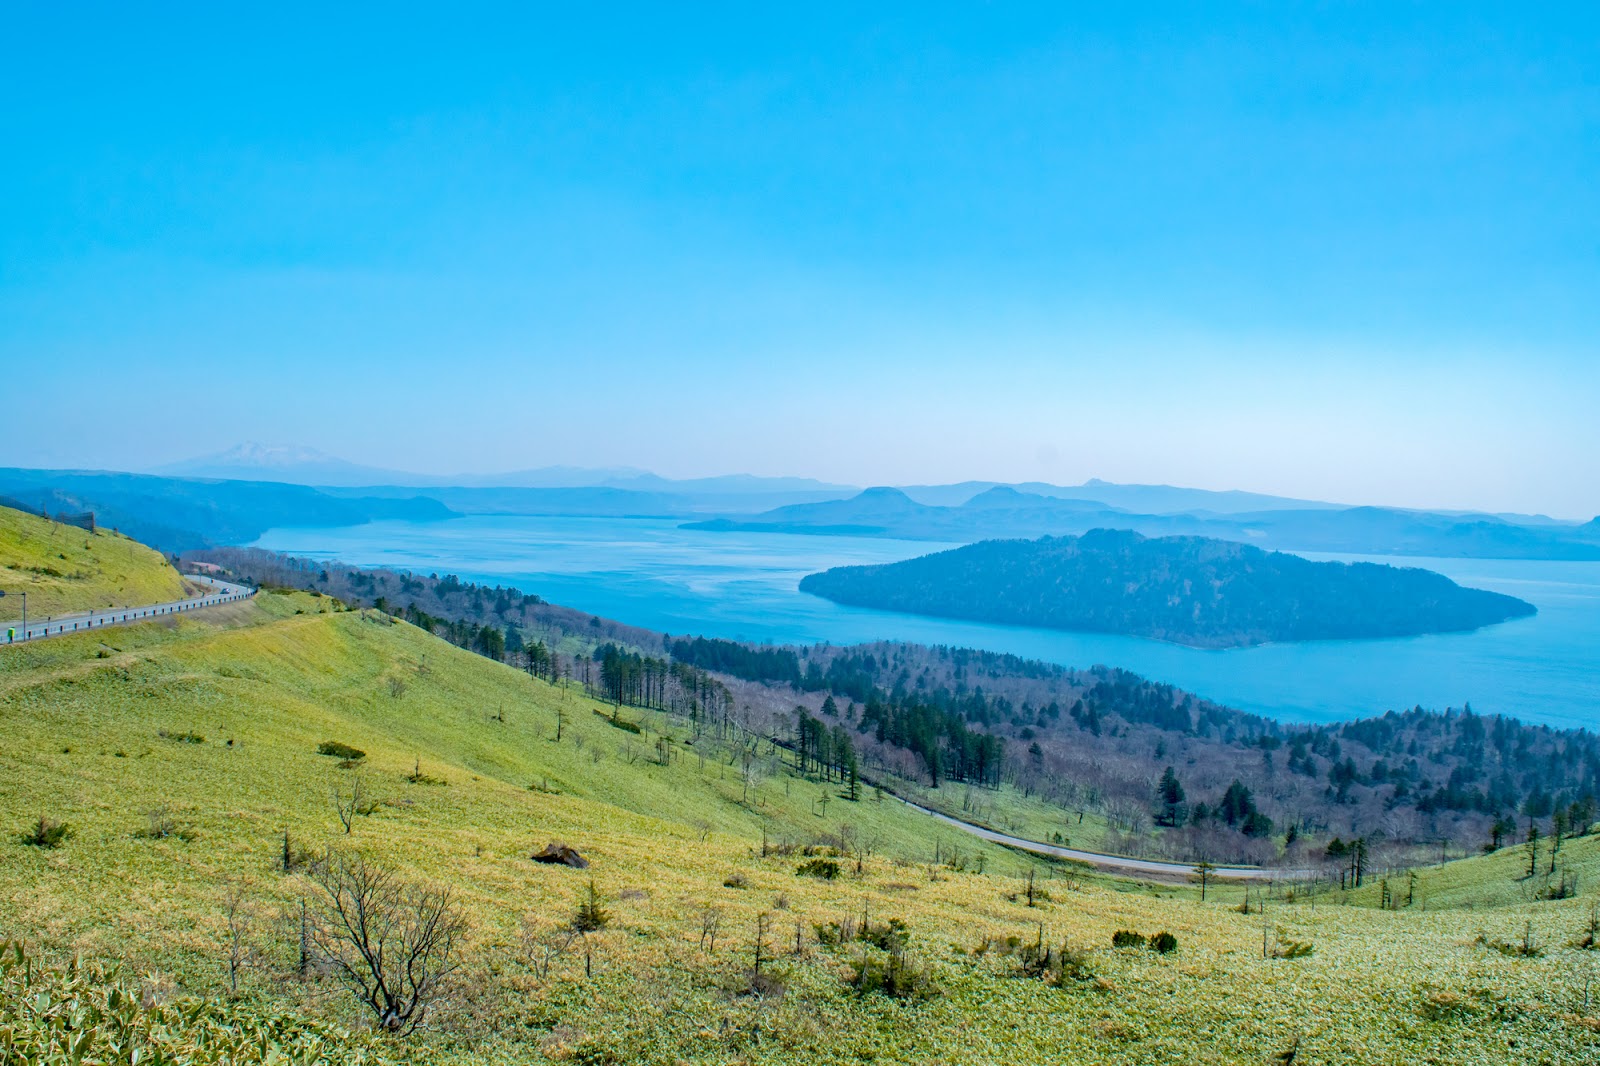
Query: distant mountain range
(1004, 512)
(234, 496)
(1149, 499)
(178, 514)
(300, 465)
(1190, 590)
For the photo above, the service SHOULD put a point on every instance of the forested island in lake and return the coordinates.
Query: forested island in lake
(1197, 591)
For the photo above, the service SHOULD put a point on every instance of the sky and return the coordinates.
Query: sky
(1340, 251)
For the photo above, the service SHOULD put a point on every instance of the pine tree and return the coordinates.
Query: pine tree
(1170, 797)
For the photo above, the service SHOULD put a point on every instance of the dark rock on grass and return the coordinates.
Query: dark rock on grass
(561, 855)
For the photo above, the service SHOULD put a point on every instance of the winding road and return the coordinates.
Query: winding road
(228, 592)
(221, 592)
(1114, 864)
(1122, 864)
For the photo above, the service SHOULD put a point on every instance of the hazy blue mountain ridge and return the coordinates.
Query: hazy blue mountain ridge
(1003, 512)
(176, 514)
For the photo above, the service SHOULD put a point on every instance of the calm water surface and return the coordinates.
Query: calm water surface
(650, 573)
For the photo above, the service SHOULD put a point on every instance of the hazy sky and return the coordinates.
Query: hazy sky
(1351, 252)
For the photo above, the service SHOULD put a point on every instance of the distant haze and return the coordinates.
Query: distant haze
(1332, 253)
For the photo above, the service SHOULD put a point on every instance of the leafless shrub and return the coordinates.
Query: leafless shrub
(710, 922)
(347, 807)
(241, 952)
(542, 946)
(393, 944)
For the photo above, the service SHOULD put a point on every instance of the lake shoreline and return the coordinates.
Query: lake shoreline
(651, 573)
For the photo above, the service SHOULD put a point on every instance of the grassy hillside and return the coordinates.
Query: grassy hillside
(1498, 880)
(64, 569)
(214, 723)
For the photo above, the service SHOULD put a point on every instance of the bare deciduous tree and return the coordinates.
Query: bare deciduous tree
(542, 946)
(347, 808)
(241, 952)
(710, 922)
(395, 945)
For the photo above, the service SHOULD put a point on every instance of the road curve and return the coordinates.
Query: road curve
(222, 592)
(1117, 864)
(228, 592)
(1110, 863)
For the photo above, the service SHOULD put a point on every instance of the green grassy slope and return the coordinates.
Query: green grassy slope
(1494, 881)
(64, 569)
(262, 683)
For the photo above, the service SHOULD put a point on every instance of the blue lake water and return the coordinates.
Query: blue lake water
(648, 572)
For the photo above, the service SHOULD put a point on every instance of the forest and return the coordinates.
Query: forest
(1189, 590)
(1098, 740)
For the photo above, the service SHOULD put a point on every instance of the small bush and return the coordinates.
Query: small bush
(340, 751)
(886, 936)
(889, 936)
(895, 975)
(736, 880)
(1054, 965)
(1126, 938)
(591, 914)
(1164, 943)
(182, 738)
(48, 833)
(825, 869)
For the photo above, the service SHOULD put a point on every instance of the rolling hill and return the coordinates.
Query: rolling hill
(65, 569)
(184, 759)
(1189, 590)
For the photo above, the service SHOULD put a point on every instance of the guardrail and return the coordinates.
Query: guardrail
(102, 619)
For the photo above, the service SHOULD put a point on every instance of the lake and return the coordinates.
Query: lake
(648, 572)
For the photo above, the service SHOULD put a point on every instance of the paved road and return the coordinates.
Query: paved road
(1110, 863)
(227, 592)
(221, 592)
(1122, 864)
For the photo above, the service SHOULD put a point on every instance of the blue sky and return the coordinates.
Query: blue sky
(1342, 251)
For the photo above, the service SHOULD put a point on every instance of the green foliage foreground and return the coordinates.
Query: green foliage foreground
(92, 1013)
(186, 758)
